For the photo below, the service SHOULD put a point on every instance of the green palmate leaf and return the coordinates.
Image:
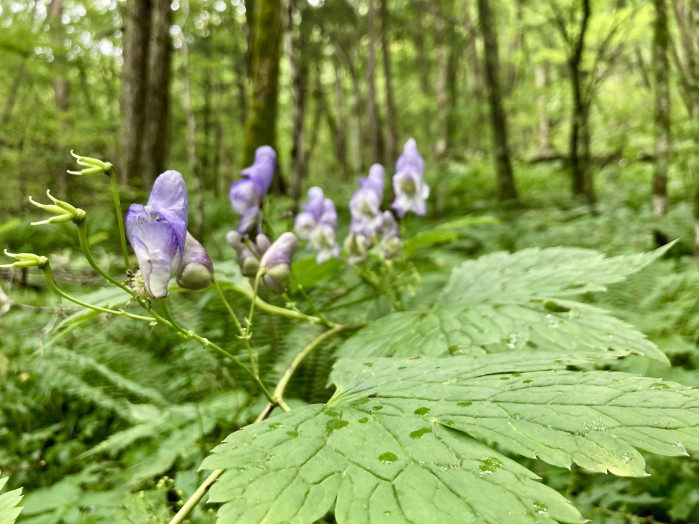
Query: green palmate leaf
(9, 502)
(508, 301)
(401, 441)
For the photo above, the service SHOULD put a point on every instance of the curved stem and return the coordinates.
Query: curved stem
(52, 284)
(258, 276)
(243, 333)
(279, 311)
(120, 218)
(196, 497)
(85, 247)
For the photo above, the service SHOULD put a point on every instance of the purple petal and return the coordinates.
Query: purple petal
(169, 198)
(329, 215)
(156, 245)
(248, 220)
(315, 202)
(304, 223)
(364, 208)
(261, 171)
(281, 251)
(410, 159)
(374, 182)
(243, 196)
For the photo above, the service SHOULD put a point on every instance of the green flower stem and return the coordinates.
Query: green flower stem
(190, 334)
(286, 377)
(243, 334)
(52, 284)
(258, 276)
(196, 497)
(120, 218)
(279, 311)
(85, 247)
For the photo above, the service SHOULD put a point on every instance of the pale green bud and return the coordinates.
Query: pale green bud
(64, 211)
(26, 260)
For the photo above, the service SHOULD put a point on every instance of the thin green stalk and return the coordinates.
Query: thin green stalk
(279, 311)
(258, 276)
(52, 284)
(199, 493)
(243, 333)
(120, 218)
(85, 247)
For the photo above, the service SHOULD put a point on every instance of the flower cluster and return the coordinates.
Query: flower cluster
(318, 221)
(158, 234)
(273, 259)
(247, 193)
(318, 224)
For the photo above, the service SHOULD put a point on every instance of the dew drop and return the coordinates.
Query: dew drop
(388, 458)
(528, 381)
(464, 404)
(540, 507)
(363, 420)
(626, 458)
(659, 386)
(422, 411)
(489, 465)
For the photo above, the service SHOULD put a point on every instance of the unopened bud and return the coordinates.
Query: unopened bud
(63, 211)
(93, 166)
(276, 262)
(26, 260)
(196, 269)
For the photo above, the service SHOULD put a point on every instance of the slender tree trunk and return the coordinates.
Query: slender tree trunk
(661, 74)
(477, 83)
(192, 159)
(578, 130)
(355, 122)
(340, 133)
(157, 107)
(372, 112)
(134, 82)
(541, 81)
(506, 181)
(61, 90)
(261, 128)
(392, 135)
(441, 87)
(298, 71)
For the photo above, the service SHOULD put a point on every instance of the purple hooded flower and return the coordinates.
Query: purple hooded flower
(408, 185)
(357, 244)
(390, 241)
(247, 193)
(277, 262)
(365, 204)
(158, 230)
(307, 220)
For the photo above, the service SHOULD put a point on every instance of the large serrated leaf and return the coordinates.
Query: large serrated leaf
(9, 502)
(505, 301)
(397, 442)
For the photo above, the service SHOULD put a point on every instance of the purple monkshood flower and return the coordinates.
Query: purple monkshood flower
(365, 204)
(277, 262)
(247, 193)
(390, 241)
(323, 236)
(408, 185)
(158, 234)
(357, 244)
(318, 224)
(307, 220)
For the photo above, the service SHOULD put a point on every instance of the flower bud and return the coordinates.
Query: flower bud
(26, 260)
(196, 269)
(93, 166)
(249, 261)
(63, 210)
(276, 263)
(390, 242)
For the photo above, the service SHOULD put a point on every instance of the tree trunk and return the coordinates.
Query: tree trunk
(134, 85)
(541, 81)
(192, 160)
(340, 134)
(373, 119)
(506, 182)
(261, 128)
(392, 136)
(441, 87)
(298, 71)
(661, 73)
(579, 133)
(61, 90)
(157, 107)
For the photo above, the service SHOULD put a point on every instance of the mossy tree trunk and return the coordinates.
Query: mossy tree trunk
(261, 127)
